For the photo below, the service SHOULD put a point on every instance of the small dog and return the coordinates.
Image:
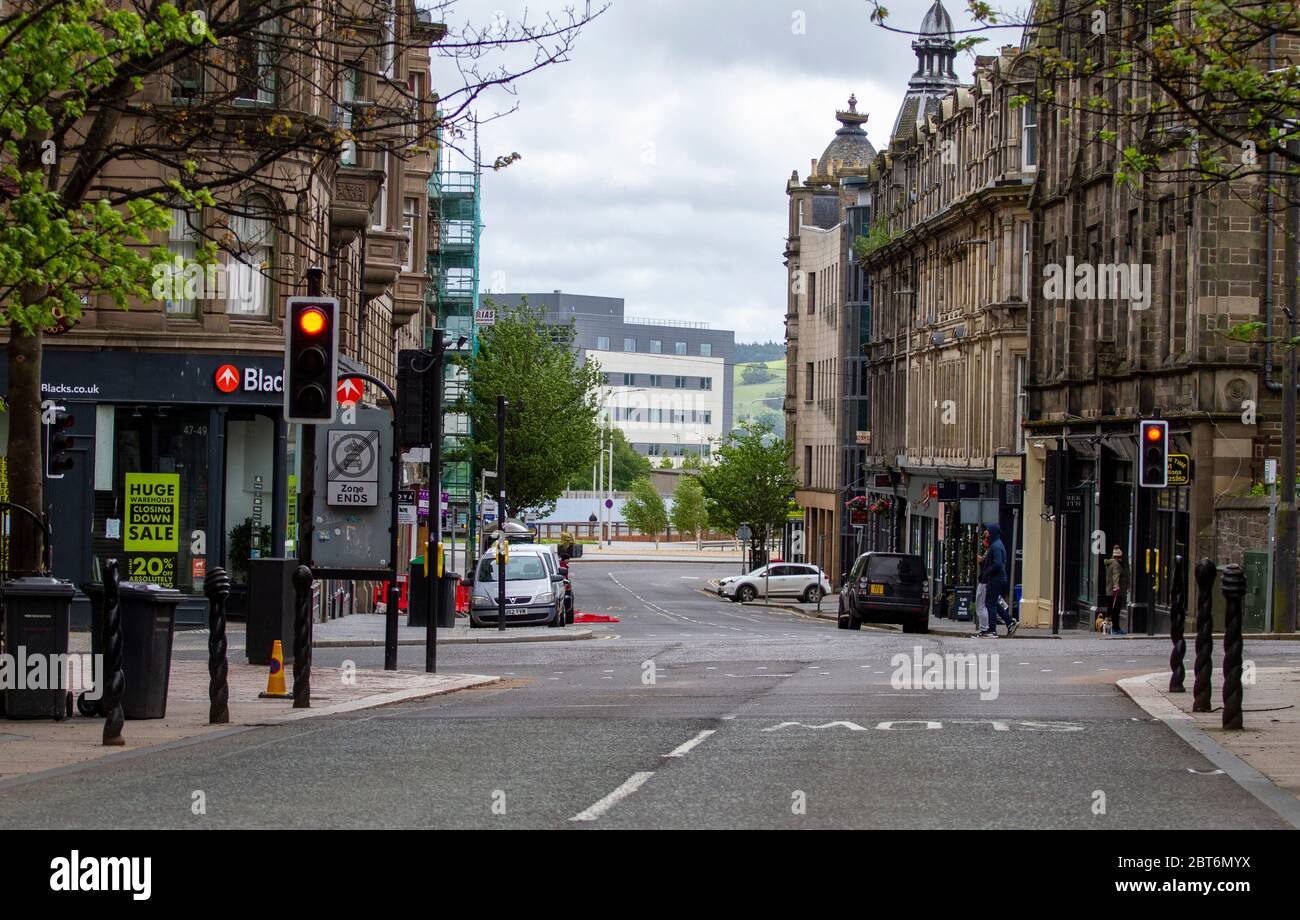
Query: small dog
(1102, 624)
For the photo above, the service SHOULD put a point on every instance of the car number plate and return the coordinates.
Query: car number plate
(877, 589)
(515, 611)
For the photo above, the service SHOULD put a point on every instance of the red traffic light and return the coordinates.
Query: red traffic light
(313, 321)
(1155, 432)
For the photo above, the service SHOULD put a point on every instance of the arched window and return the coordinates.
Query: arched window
(252, 260)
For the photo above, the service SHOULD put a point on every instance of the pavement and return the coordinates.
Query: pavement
(1264, 756)
(31, 746)
(697, 713)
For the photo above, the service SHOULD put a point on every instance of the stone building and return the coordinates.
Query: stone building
(191, 384)
(823, 297)
(1135, 285)
(947, 351)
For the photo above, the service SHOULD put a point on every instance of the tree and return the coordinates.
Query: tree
(750, 483)
(689, 513)
(644, 510)
(112, 112)
(756, 373)
(666, 463)
(629, 466)
(551, 430)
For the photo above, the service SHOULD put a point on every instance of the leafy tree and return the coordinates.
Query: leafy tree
(747, 352)
(629, 466)
(691, 461)
(644, 510)
(750, 483)
(112, 112)
(756, 373)
(666, 464)
(551, 430)
(689, 512)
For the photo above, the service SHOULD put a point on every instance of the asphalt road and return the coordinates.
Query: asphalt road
(693, 712)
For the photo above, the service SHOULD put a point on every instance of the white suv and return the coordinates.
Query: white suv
(780, 579)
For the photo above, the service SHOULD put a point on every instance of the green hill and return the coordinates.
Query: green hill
(762, 399)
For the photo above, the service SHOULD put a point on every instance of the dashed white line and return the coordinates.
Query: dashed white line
(633, 783)
(683, 749)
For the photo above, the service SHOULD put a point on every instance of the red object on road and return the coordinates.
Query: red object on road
(593, 618)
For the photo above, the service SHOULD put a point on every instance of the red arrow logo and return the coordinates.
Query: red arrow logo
(227, 378)
(350, 390)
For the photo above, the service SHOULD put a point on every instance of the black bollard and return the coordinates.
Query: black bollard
(1234, 589)
(302, 582)
(114, 682)
(1177, 621)
(1204, 666)
(217, 588)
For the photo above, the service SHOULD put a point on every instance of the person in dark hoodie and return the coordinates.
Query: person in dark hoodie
(994, 570)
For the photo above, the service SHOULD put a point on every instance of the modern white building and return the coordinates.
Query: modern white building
(669, 382)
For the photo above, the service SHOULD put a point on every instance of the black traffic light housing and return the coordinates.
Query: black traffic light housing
(417, 397)
(1153, 454)
(58, 443)
(311, 359)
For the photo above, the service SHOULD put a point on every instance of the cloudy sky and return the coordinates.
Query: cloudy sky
(654, 162)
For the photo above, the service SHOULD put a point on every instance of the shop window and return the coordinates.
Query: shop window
(158, 497)
(253, 261)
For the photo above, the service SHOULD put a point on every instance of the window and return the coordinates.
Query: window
(812, 293)
(254, 68)
(410, 215)
(706, 350)
(1024, 261)
(679, 348)
(808, 382)
(656, 347)
(656, 415)
(707, 417)
(388, 44)
(379, 211)
(629, 344)
(629, 380)
(350, 89)
(604, 378)
(653, 450)
(656, 380)
(1020, 403)
(253, 261)
(1029, 136)
(187, 74)
(706, 383)
(602, 343)
(679, 383)
(807, 465)
(182, 242)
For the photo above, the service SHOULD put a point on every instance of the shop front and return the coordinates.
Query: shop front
(181, 462)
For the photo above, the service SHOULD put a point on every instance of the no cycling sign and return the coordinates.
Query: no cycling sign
(352, 469)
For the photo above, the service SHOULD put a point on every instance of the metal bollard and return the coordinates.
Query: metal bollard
(113, 680)
(1177, 621)
(1203, 667)
(302, 582)
(217, 587)
(1234, 589)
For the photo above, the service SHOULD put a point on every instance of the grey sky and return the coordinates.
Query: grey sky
(655, 161)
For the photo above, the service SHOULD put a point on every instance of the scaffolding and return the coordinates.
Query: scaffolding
(453, 300)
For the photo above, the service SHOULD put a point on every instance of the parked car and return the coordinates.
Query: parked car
(534, 591)
(886, 588)
(780, 579)
(558, 563)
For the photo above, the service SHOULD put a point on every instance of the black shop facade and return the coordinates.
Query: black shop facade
(182, 462)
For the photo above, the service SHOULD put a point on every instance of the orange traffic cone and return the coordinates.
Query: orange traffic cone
(275, 680)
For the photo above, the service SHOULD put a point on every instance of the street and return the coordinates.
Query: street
(691, 713)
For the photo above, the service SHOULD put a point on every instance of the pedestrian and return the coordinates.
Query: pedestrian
(982, 594)
(1116, 587)
(994, 568)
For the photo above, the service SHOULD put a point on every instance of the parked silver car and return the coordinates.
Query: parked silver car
(534, 595)
(790, 579)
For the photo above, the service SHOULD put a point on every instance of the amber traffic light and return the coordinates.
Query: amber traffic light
(1153, 454)
(311, 360)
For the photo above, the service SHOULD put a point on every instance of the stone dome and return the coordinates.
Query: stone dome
(937, 23)
(850, 146)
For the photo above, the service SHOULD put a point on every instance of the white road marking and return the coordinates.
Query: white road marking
(634, 782)
(683, 749)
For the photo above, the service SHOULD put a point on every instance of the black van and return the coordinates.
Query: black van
(886, 588)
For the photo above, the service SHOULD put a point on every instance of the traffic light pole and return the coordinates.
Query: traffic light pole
(501, 511)
(433, 551)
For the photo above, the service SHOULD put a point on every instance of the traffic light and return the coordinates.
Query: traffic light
(311, 359)
(416, 397)
(1153, 454)
(57, 444)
